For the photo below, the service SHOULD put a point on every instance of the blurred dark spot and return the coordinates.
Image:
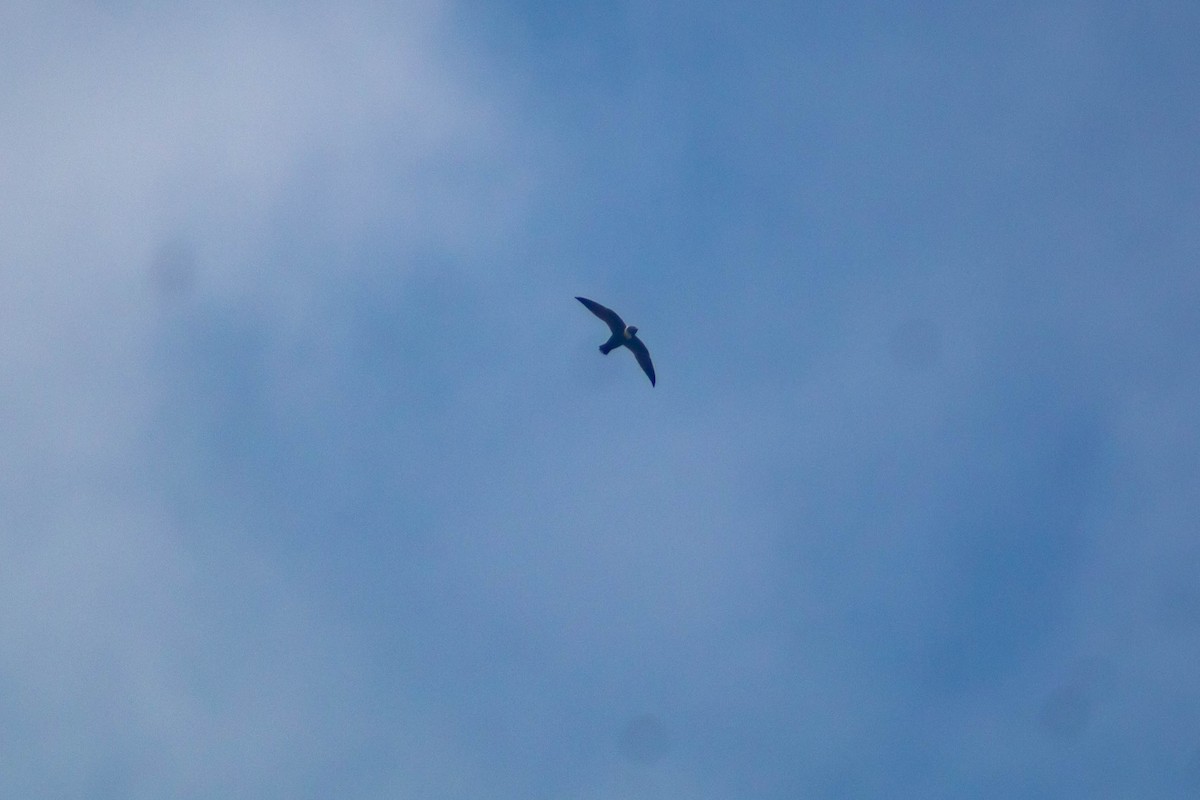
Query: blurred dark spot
(916, 344)
(172, 271)
(1181, 608)
(644, 739)
(1066, 712)
(1022, 536)
(1192, 769)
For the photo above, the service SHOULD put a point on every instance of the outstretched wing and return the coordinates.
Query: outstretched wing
(643, 356)
(607, 314)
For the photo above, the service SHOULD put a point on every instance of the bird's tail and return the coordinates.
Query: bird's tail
(607, 347)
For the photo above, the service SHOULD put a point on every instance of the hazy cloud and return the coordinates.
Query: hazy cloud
(315, 484)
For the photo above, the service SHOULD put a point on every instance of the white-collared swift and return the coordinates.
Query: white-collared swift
(622, 335)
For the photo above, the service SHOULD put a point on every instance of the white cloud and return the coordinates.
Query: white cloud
(135, 660)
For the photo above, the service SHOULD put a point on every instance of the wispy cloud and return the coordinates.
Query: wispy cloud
(314, 481)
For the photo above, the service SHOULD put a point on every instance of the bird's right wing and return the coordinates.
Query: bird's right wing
(609, 316)
(643, 357)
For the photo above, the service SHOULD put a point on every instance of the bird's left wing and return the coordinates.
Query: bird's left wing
(643, 357)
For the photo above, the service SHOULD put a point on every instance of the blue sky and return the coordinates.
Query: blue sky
(315, 485)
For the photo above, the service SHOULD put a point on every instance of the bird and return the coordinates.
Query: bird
(622, 334)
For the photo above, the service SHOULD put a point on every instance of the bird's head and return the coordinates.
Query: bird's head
(630, 331)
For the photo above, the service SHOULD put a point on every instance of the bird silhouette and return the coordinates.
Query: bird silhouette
(622, 335)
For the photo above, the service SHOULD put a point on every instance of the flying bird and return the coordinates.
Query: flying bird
(622, 334)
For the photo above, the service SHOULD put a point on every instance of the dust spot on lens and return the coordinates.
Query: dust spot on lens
(1181, 609)
(644, 739)
(916, 344)
(172, 272)
(1192, 769)
(1066, 712)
